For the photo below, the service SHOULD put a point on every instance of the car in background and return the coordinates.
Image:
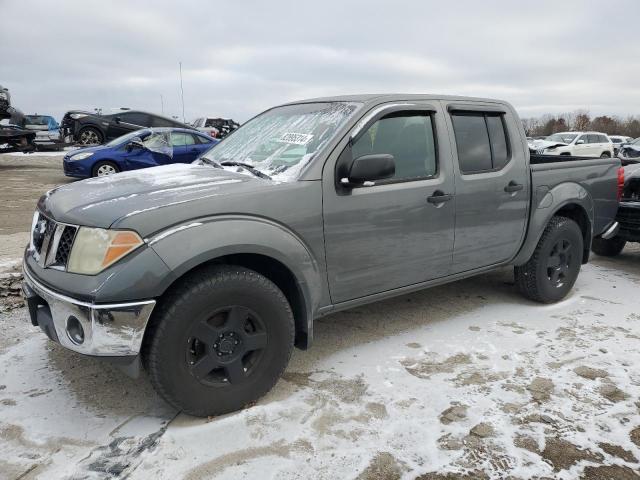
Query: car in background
(577, 144)
(46, 127)
(630, 152)
(144, 148)
(618, 141)
(216, 127)
(89, 128)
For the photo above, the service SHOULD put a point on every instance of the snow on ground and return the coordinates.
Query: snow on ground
(467, 378)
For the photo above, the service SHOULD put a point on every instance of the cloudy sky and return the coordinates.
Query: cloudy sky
(240, 57)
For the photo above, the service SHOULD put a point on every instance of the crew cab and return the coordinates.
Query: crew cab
(208, 274)
(582, 144)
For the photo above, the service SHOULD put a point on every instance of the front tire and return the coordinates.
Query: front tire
(605, 155)
(219, 341)
(608, 248)
(90, 136)
(553, 268)
(104, 168)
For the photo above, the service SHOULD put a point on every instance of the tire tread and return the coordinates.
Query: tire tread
(168, 311)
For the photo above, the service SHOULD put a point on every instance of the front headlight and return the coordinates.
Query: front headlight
(81, 156)
(76, 116)
(94, 249)
(3, 95)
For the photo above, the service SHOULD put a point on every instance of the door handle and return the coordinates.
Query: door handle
(513, 187)
(194, 150)
(439, 197)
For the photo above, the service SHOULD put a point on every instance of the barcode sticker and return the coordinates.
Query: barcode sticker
(295, 138)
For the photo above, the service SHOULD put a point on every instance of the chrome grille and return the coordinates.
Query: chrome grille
(65, 244)
(52, 241)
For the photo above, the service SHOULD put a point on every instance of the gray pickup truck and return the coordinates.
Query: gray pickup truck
(208, 274)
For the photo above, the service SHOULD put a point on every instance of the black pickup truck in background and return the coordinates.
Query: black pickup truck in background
(628, 217)
(89, 128)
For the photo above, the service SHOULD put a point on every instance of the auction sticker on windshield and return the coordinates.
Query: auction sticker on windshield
(295, 138)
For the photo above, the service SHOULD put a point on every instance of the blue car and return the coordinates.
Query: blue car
(144, 148)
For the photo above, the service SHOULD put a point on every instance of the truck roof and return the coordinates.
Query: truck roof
(390, 97)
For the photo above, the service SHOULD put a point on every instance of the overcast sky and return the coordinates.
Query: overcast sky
(240, 57)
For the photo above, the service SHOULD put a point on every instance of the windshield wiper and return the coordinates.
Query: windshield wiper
(208, 161)
(246, 166)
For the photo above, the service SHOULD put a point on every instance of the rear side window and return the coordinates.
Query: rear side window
(161, 122)
(202, 139)
(135, 118)
(179, 139)
(409, 137)
(481, 142)
(498, 139)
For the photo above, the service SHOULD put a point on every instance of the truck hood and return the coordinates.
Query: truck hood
(101, 202)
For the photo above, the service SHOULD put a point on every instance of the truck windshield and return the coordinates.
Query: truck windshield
(562, 137)
(281, 141)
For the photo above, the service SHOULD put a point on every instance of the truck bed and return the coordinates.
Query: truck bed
(594, 177)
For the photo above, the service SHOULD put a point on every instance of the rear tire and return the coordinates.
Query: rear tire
(90, 136)
(608, 248)
(605, 155)
(219, 341)
(553, 268)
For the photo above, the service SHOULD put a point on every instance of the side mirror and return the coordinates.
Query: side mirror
(367, 169)
(579, 142)
(135, 142)
(117, 119)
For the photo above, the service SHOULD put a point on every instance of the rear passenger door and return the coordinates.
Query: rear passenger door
(492, 185)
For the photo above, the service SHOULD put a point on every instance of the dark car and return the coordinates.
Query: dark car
(140, 149)
(89, 128)
(627, 226)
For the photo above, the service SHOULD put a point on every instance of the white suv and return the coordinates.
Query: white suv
(579, 144)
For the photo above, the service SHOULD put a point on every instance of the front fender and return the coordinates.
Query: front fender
(185, 246)
(547, 204)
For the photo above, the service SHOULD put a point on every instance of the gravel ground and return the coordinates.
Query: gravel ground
(464, 381)
(23, 178)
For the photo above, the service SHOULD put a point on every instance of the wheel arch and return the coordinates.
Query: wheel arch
(569, 200)
(281, 257)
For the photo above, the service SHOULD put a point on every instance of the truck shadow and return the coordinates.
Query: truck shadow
(428, 307)
(627, 262)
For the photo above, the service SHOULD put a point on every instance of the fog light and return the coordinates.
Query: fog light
(75, 332)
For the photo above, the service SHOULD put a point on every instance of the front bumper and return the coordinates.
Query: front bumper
(106, 330)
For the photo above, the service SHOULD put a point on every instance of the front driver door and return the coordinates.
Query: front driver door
(390, 235)
(157, 151)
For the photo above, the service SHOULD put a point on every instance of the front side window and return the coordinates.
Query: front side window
(561, 137)
(409, 137)
(282, 141)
